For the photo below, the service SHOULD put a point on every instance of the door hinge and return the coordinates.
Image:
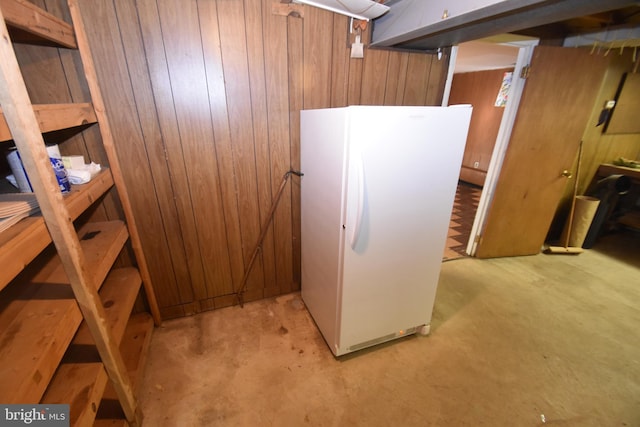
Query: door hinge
(477, 239)
(524, 72)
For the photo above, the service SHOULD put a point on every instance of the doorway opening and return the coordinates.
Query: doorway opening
(484, 73)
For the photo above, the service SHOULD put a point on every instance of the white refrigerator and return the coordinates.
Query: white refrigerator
(376, 200)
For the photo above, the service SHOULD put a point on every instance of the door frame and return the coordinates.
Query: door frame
(525, 52)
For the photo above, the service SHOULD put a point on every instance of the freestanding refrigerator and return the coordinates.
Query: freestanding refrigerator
(376, 199)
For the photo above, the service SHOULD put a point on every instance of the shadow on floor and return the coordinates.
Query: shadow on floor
(623, 245)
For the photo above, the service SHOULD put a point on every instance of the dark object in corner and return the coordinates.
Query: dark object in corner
(607, 190)
(623, 115)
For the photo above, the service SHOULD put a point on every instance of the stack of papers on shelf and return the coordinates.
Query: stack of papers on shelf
(15, 206)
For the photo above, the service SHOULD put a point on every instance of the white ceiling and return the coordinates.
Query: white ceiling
(479, 56)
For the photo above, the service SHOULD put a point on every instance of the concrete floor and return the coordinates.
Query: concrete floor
(524, 341)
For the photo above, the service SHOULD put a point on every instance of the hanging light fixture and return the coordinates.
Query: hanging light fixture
(358, 9)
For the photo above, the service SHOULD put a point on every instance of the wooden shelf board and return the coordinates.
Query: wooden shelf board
(30, 18)
(39, 322)
(84, 195)
(134, 348)
(52, 117)
(107, 240)
(81, 378)
(20, 244)
(101, 243)
(606, 169)
(34, 341)
(111, 423)
(81, 386)
(118, 297)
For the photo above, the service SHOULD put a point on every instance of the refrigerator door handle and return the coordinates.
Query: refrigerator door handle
(355, 234)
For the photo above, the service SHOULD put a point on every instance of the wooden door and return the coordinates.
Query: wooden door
(556, 104)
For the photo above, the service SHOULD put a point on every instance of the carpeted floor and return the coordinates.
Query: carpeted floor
(464, 211)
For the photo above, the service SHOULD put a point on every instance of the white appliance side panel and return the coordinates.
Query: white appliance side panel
(322, 156)
(410, 162)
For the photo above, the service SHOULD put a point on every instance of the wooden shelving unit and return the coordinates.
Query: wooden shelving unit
(55, 117)
(36, 25)
(66, 322)
(20, 244)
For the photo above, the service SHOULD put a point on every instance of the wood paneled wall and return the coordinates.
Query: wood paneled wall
(204, 99)
(600, 147)
(605, 147)
(480, 89)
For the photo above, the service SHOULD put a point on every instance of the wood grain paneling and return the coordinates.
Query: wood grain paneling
(233, 41)
(624, 118)
(605, 147)
(318, 34)
(480, 89)
(279, 135)
(437, 77)
(190, 99)
(339, 64)
(149, 24)
(416, 86)
(143, 95)
(396, 78)
(258, 57)
(373, 88)
(600, 147)
(296, 103)
(210, 34)
(205, 96)
(116, 78)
